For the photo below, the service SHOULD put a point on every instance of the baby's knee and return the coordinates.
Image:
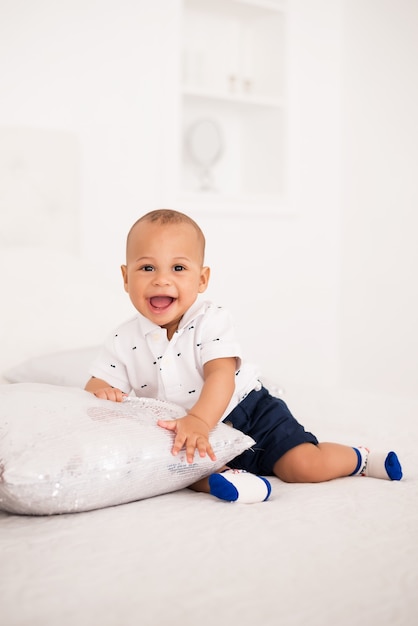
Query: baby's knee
(298, 465)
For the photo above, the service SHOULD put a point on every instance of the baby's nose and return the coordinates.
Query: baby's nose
(162, 278)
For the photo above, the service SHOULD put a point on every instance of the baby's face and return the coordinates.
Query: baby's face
(163, 274)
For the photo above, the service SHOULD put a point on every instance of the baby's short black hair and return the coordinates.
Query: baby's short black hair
(169, 216)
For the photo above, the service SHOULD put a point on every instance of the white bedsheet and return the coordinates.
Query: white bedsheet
(336, 553)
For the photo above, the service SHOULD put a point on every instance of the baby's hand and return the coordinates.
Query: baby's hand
(110, 393)
(192, 433)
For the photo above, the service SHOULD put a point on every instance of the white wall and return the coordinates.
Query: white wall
(98, 69)
(379, 287)
(105, 70)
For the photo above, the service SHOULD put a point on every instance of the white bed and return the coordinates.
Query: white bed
(322, 554)
(318, 555)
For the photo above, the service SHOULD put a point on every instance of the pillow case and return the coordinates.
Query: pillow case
(63, 450)
(68, 368)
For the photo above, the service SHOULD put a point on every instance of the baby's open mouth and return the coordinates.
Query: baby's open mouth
(161, 302)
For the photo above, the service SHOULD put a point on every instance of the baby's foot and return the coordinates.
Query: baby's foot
(239, 486)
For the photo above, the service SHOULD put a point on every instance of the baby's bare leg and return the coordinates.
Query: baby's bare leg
(201, 485)
(309, 463)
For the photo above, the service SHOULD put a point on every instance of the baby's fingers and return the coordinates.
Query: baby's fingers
(179, 442)
(203, 447)
(179, 439)
(110, 393)
(168, 424)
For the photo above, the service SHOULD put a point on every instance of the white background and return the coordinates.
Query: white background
(327, 295)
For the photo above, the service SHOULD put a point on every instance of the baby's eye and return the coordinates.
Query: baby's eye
(147, 268)
(179, 268)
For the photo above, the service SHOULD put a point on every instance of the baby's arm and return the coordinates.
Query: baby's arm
(192, 430)
(102, 389)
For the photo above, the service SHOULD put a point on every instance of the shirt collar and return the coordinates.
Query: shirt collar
(197, 309)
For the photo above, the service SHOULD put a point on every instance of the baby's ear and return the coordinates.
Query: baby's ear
(204, 279)
(124, 271)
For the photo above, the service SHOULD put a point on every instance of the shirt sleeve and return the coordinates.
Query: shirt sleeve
(109, 367)
(216, 336)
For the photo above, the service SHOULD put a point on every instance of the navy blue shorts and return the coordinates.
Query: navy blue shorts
(272, 426)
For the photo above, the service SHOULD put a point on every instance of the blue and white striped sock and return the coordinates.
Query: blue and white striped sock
(377, 464)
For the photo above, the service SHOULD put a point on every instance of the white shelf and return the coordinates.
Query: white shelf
(212, 203)
(269, 5)
(272, 6)
(233, 98)
(233, 75)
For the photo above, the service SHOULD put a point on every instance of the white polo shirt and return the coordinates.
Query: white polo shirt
(138, 356)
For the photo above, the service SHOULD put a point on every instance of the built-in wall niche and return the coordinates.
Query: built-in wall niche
(233, 102)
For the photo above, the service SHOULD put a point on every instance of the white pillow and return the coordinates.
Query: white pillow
(63, 450)
(68, 368)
